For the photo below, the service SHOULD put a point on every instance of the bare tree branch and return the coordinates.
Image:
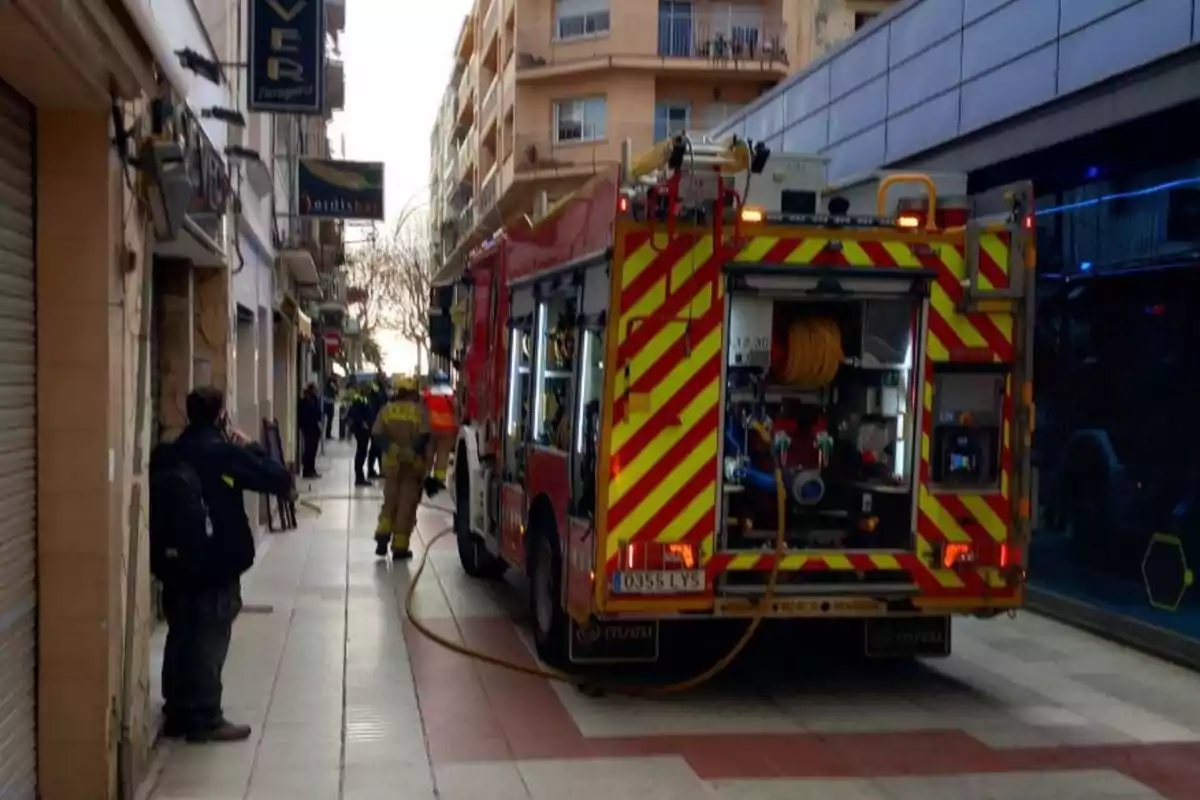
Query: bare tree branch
(393, 274)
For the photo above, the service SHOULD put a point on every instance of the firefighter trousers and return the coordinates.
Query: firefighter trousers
(402, 488)
(443, 445)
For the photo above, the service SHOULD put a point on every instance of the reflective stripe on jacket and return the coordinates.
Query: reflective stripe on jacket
(440, 403)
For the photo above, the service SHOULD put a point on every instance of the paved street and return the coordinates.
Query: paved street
(348, 701)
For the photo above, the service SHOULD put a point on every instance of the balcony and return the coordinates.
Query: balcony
(450, 163)
(466, 221)
(491, 21)
(727, 43)
(466, 155)
(335, 85)
(466, 94)
(547, 154)
(491, 99)
(487, 195)
(464, 48)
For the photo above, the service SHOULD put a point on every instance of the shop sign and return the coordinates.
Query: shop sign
(287, 57)
(331, 189)
(333, 343)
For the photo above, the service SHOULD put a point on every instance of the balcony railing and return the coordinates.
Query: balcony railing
(450, 162)
(491, 20)
(466, 221)
(487, 195)
(467, 85)
(744, 39)
(466, 152)
(556, 153)
(490, 99)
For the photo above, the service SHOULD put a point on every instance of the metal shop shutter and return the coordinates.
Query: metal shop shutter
(18, 452)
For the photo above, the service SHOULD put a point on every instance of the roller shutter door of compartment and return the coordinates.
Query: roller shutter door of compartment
(18, 452)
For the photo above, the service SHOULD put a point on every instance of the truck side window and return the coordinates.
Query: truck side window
(555, 369)
(520, 379)
(587, 415)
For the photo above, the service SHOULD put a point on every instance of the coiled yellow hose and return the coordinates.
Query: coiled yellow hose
(814, 353)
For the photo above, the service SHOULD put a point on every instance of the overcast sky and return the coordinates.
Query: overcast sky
(398, 58)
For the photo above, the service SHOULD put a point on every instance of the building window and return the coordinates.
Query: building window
(580, 120)
(675, 37)
(575, 18)
(863, 18)
(670, 119)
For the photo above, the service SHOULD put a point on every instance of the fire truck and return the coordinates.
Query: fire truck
(712, 385)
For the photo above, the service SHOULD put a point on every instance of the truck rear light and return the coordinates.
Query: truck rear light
(660, 556)
(752, 215)
(957, 554)
(908, 221)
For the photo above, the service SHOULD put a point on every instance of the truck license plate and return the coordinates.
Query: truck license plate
(659, 582)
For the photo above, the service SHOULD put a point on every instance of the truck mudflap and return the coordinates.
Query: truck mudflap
(632, 641)
(907, 637)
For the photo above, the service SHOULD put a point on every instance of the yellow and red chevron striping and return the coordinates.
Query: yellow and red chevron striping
(666, 379)
(665, 423)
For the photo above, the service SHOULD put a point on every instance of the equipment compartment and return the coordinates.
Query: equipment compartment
(821, 390)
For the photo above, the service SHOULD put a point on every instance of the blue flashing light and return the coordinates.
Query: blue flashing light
(1095, 201)
(1091, 173)
(1085, 266)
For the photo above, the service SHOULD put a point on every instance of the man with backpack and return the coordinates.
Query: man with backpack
(200, 544)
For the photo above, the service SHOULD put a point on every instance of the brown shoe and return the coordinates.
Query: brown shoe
(225, 731)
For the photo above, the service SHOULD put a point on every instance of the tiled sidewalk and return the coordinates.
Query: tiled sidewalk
(348, 701)
(318, 666)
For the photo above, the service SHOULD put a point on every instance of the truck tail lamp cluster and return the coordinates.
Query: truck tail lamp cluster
(659, 556)
(964, 555)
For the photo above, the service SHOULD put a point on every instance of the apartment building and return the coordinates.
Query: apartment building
(543, 92)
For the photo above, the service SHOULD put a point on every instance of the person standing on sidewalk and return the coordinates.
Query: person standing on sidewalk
(309, 416)
(380, 390)
(200, 545)
(443, 422)
(329, 404)
(359, 419)
(402, 434)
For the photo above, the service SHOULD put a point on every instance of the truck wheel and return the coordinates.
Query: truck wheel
(550, 628)
(473, 554)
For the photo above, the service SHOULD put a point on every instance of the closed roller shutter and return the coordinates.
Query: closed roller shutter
(18, 452)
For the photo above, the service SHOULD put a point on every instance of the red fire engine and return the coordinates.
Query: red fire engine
(710, 385)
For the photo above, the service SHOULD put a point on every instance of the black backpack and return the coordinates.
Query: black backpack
(180, 527)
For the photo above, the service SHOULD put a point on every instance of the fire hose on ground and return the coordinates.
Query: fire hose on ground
(597, 687)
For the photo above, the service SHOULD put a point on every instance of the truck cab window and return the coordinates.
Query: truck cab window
(587, 421)
(556, 320)
(520, 377)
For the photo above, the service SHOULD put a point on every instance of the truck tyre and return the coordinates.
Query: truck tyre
(473, 554)
(550, 627)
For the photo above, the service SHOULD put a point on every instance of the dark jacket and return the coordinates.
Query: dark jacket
(226, 470)
(310, 414)
(359, 416)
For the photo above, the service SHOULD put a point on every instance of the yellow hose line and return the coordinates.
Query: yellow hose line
(631, 691)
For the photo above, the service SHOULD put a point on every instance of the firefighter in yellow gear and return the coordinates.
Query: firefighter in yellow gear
(402, 433)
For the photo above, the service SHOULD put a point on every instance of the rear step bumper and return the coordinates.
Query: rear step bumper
(817, 572)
